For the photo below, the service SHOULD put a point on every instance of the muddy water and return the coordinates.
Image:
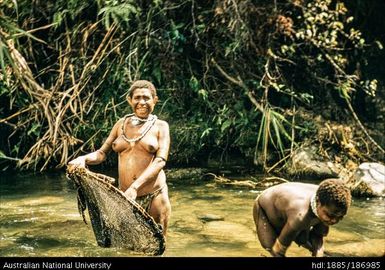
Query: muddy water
(39, 217)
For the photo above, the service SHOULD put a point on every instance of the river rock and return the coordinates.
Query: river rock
(306, 162)
(210, 217)
(190, 174)
(368, 180)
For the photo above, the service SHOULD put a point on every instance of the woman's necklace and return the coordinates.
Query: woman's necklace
(313, 205)
(150, 121)
(136, 120)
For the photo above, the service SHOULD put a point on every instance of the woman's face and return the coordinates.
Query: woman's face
(142, 102)
(330, 214)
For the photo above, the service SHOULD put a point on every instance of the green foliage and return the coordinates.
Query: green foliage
(229, 73)
(273, 131)
(114, 11)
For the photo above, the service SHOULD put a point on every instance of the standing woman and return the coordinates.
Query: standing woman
(142, 142)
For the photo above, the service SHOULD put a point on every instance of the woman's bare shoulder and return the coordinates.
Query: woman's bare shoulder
(162, 123)
(290, 193)
(296, 187)
(119, 122)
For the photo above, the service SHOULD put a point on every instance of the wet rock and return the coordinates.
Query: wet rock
(210, 217)
(190, 174)
(368, 180)
(306, 162)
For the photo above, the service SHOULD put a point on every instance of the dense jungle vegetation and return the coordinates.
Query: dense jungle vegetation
(250, 80)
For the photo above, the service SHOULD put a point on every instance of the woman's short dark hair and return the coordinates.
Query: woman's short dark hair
(334, 191)
(142, 84)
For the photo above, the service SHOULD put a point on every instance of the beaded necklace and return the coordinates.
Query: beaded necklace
(150, 121)
(313, 205)
(136, 120)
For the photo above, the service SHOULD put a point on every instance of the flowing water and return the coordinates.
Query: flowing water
(39, 217)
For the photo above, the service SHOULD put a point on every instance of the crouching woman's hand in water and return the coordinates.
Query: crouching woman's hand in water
(278, 249)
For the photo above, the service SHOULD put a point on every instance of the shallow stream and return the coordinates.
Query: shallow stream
(39, 217)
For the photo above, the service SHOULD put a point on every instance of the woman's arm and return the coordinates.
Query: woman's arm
(317, 234)
(99, 155)
(283, 241)
(294, 225)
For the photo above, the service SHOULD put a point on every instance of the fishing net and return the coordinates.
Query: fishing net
(117, 221)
